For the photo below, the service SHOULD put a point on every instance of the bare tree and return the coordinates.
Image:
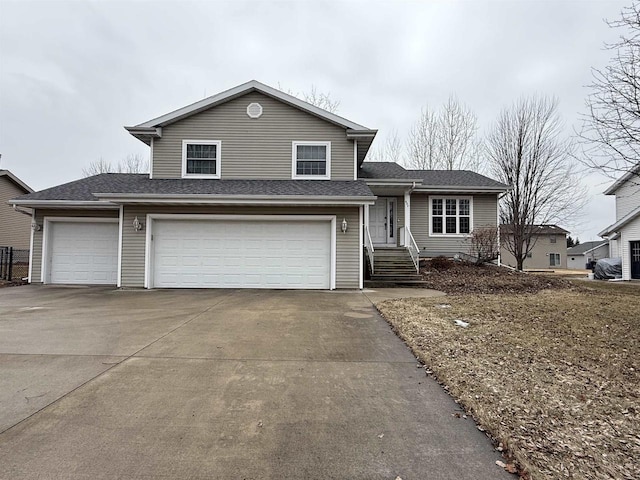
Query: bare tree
(610, 133)
(314, 97)
(391, 151)
(526, 150)
(132, 163)
(446, 139)
(423, 141)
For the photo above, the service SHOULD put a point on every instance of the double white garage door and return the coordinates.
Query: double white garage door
(201, 253)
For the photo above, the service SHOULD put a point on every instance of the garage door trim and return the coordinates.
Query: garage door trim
(275, 218)
(46, 232)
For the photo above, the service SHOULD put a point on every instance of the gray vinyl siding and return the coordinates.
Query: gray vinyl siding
(252, 148)
(484, 214)
(347, 245)
(15, 228)
(36, 267)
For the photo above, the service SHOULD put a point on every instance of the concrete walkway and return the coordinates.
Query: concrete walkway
(97, 383)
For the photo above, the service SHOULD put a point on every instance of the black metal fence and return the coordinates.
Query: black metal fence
(14, 263)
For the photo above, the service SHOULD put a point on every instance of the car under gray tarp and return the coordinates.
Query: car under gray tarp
(608, 269)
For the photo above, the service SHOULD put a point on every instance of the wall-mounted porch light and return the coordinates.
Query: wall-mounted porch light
(35, 227)
(137, 224)
(344, 225)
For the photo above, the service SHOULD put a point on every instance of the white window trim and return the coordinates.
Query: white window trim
(218, 143)
(444, 226)
(294, 160)
(559, 260)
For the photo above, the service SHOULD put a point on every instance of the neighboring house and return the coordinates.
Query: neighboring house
(549, 249)
(584, 253)
(15, 227)
(251, 188)
(624, 234)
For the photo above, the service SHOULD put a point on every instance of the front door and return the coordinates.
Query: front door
(382, 221)
(635, 259)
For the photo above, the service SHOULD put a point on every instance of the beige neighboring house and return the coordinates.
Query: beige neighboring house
(549, 250)
(15, 227)
(254, 188)
(624, 234)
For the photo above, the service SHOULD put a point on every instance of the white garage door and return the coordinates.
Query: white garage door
(83, 253)
(241, 254)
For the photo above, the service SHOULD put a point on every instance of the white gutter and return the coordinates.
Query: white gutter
(237, 200)
(64, 204)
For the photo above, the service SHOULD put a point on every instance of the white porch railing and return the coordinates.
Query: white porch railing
(412, 246)
(368, 245)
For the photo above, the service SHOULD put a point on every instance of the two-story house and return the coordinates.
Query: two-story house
(624, 234)
(548, 248)
(251, 188)
(15, 227)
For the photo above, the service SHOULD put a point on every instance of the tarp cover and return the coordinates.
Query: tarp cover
(608, 268)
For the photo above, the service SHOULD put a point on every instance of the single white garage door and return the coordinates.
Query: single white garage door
(83, 253)
(241, 254)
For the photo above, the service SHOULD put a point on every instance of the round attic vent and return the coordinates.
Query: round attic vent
(254, 110)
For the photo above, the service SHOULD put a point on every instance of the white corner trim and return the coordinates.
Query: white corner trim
(147, 251)
(33, 220)
(151, 159)
(294, 159)
(44, 271)
(444, 226)
(498, 229)
(361, 246)
(218, 143)
(334, 253)
(355, 160)
(120, 228)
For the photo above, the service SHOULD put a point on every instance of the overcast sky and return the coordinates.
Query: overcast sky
(73, 73)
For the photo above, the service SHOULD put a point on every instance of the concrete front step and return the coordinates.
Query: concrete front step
(392, 283)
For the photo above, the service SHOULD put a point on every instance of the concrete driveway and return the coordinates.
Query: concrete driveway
(97, 383)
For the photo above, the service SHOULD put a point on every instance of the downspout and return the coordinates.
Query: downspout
(19, 210)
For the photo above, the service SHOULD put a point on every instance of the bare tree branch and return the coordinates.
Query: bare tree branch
(314, 97)
(391, 151)
(526, 151)
(609, 136)
(132, 163)
(446, 139)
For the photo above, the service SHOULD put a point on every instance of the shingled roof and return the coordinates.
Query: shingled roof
(430, 178)
(456, 178)
(127, 183)
(585, 247)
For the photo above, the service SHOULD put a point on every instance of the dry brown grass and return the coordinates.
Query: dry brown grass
(554, 376)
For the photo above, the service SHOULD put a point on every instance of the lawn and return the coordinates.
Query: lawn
(553, 375)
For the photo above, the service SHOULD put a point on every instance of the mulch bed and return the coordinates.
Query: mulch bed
(463, 278)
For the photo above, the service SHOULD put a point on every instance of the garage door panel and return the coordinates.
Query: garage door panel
(241, 253)
(83, 253)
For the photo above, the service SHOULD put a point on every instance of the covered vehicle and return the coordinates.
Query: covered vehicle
(608, 269)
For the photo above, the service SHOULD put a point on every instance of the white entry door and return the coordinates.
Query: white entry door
(241, 254)
(83, 253)
(382, 221)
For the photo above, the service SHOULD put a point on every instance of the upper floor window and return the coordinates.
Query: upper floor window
(552, 239)
(451, 216)
(201, 158)
(311, 160)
